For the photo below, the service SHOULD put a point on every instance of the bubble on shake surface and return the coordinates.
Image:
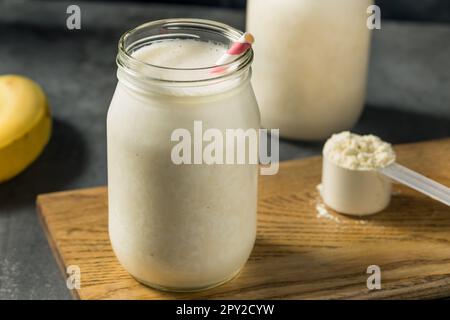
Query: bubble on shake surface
(358, 152)
(181, 53)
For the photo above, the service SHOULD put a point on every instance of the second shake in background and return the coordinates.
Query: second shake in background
(310, 64)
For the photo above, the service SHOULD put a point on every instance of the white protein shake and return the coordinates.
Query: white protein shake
(179, 227)
(310, 66)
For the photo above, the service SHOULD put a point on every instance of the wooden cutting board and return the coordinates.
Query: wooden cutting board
(299, 254)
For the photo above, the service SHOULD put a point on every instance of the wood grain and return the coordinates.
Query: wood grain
(298, 255)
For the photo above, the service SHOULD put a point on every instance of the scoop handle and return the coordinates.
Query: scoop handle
(418, 182)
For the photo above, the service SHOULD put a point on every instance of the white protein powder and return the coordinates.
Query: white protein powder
(351, 183)
(356, 152)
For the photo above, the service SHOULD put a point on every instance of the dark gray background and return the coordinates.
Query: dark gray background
(421, 10)
(408, 100)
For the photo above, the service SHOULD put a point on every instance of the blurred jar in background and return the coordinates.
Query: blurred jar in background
(310, 66)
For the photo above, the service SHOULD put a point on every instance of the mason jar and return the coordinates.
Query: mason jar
(180, 226)
(310, 68)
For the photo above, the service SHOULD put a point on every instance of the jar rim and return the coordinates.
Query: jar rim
(126, 61)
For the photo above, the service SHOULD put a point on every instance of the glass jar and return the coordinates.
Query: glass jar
(179, 227)
(311, 63)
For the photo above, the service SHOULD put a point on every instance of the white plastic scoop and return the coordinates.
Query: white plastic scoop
(417, 182)
(357, 175)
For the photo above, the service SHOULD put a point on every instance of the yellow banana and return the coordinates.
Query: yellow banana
(25, 124)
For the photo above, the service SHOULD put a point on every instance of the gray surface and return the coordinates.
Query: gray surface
(408, 100)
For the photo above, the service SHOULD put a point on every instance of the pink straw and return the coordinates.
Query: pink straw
(236, 49)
